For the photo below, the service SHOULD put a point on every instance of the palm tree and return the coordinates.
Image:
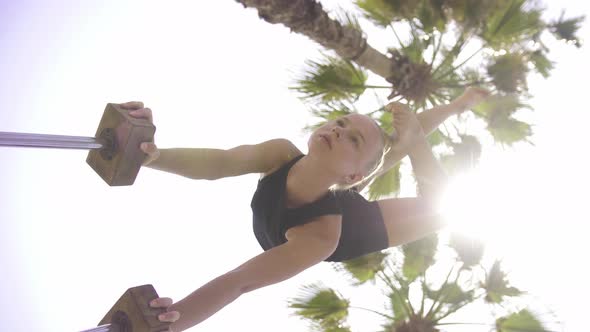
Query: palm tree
(438, 48)
(416, 301)
(446, 46)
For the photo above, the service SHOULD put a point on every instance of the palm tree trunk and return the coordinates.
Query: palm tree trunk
(307, 17)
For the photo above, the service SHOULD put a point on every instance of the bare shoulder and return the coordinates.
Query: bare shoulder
(280, 146)
(280, 151)
(258, 158)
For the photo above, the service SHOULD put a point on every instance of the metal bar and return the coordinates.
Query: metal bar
(104, 328)
(49, 141)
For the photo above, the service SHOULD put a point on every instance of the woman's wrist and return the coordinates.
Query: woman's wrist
(406, 147)
(419, 145)
(461, 104)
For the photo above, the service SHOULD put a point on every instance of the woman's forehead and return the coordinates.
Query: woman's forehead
(364, 121)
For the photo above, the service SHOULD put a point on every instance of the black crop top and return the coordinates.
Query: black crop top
(363, 230)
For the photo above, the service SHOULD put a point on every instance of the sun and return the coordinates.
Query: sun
(486, 205)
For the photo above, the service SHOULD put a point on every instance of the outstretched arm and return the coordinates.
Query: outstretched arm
(411, 218)
(313, 243)
(430, 119)
(211, 164)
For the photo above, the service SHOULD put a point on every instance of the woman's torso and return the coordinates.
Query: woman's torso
(357, 233)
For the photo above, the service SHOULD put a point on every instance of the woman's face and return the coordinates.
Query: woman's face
(348, 144)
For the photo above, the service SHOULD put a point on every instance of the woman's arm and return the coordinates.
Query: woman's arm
(408, 219)
(430, 119)
(311, 244)
(411, 138)
(431, 177)
(212, 164)
(411, 218)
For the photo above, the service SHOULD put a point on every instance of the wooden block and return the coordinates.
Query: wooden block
(132, 313)
(119, 164)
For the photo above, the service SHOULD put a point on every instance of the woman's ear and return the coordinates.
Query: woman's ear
(353, 178)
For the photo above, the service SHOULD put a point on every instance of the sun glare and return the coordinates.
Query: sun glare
(462, 205)
(486, 206)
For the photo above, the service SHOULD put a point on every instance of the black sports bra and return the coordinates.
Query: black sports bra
(362, 225)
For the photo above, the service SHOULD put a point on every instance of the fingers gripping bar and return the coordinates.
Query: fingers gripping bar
(132, 313)
(114, 151)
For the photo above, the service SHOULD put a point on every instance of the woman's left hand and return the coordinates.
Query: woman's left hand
(407, 128)
(472, 96)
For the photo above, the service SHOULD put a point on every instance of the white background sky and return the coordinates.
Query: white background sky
(217, 76)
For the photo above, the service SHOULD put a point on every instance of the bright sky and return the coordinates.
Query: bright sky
(217, 76)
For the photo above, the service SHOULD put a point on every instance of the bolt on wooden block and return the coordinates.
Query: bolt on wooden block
(132, 313)
(119, 162)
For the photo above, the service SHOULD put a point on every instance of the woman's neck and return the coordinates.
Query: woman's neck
(307, 182)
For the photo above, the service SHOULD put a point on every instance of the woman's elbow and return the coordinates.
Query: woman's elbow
(433, 190)
(235, 283)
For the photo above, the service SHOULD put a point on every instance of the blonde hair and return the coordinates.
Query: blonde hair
(375, 165)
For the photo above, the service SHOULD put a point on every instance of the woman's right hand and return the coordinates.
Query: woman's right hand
(168, 316)
(137, 110)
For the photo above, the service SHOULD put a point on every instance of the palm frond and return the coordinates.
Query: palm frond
(449, 55)
(499, 106)
(387, 184)
(541, 63)
(414, 50)
(419, 256)
(566, 29)
(399, 306)
(384, 12)
(385, 121)
(335, 329)
(469, 250)
(508, 131)
(437, 138)
(511, 23)
(364, 268)
(465, 155)
(380, 12)
(449, 293)
(399, 297)
(497, 286)
(348, 19)
(331, 79)
(431, 16)
(471, 76)
(321, 305)
(497, 112)
(508, 72)
(469, 14)
(521, 321)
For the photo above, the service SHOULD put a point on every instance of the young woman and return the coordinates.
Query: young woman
(306, 207)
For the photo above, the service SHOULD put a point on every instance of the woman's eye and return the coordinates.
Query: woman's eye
(354, 140)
